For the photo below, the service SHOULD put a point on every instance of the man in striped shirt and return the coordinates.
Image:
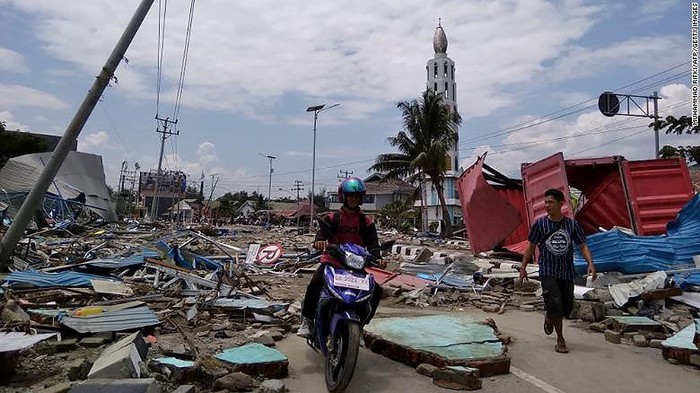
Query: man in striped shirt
(555, 236)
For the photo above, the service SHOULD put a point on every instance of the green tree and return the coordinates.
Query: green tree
(398, 215)
(18, 144)
(319, 200)
(429, 132)
(679, 126)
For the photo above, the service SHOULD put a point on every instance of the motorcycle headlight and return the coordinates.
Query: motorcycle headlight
(354, 261)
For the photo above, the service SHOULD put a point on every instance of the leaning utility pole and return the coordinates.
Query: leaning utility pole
(16, 230)
(166, 133)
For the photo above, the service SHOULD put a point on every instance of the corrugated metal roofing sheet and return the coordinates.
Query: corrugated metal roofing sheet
(60, 279)
(112, 321)
(617, 251)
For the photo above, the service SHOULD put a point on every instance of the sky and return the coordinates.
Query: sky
(528, 76)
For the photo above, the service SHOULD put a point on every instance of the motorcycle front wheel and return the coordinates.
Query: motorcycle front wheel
(342, 356)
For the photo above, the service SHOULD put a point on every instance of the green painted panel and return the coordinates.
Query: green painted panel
(452, 337)
(251, 354)
(682, 339)
(175, 362)
(635, 321)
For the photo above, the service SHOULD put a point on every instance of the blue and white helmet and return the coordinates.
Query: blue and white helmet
(351, 185)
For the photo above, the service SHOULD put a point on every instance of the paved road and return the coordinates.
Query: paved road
(593, 365)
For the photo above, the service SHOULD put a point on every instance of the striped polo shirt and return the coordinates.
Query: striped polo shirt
(557, 249)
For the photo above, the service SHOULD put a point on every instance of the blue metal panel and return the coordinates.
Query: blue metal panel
(617, 251)
(60, 279)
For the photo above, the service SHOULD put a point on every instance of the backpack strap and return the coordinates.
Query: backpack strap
(335, 222)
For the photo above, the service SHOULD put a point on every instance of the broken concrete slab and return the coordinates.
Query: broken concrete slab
(632, 324)
(440, 340)
(120, 363)
(131, 385)
(181, 371)
(256, 359)
(681, 346)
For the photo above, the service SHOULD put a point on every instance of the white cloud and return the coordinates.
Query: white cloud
(11, 61)
(14, 96)
(94, 140)
(659, 52)
(10, 123)
(365, 55)
(589, 135)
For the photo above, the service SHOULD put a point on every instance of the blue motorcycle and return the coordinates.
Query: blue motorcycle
(343, 310)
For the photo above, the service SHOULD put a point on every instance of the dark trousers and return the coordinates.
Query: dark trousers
(313, 293)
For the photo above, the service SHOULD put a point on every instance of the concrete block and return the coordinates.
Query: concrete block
(655, 343)
(272, 386)
(234, 382)
(65, 345)
(136, 385)
(598, 327)
(695, 360)
(93, 342)
(613, 336)
(591, 311)
(426, 369)
(119, 363)
(457, 378)
(134, 338)
(640, 340)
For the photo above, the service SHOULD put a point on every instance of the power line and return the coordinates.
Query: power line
(546, 118)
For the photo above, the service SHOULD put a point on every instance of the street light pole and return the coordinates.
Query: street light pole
(316, 110)
(269, 187)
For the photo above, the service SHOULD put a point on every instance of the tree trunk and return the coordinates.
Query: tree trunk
(440, 189)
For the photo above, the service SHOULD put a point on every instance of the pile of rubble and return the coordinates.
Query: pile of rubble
(147, 309)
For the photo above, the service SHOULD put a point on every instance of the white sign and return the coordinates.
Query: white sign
(350, 281)
(269, 254)
(252, 253)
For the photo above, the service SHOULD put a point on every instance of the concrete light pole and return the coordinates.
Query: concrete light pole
(316, 110)
(32, 201)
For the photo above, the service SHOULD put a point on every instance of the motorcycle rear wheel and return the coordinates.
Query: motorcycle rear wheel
(342, 356)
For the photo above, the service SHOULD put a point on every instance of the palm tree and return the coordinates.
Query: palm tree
(429, 132)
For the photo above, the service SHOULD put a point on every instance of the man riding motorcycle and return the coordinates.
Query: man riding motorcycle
(347, 225)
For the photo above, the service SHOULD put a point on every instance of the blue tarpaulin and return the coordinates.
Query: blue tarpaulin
(617, 251)
(123, 262)
(60, 279)
(186, 259)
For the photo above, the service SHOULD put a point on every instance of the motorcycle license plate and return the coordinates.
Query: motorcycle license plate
(349, 281)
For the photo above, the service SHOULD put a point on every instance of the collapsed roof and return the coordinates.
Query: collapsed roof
(80, 173)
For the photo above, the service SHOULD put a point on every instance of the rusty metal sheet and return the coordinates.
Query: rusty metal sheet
(540, 176)
(658, 189)
(488, 216)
